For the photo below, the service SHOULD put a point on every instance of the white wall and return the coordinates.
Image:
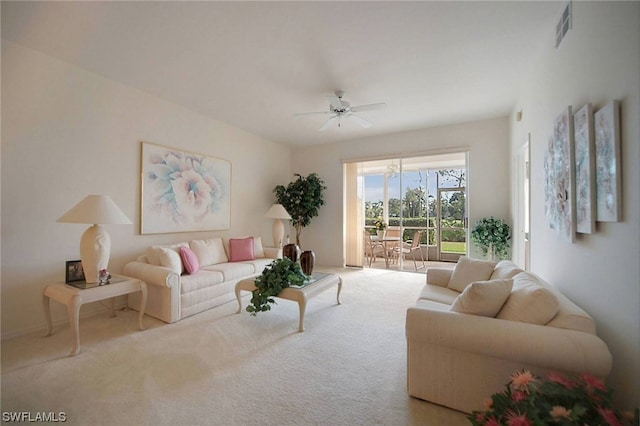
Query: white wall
(598, 61)
(488, 169)
(67, 133)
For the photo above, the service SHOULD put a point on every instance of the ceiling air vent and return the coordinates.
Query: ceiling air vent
(564, 24)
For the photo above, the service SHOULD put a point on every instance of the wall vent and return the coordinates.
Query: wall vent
(564, 24)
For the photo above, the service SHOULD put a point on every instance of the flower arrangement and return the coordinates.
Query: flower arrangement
(492, 235)
(380, 224)
(529, 400)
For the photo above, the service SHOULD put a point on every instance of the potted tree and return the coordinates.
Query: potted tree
(302, 199)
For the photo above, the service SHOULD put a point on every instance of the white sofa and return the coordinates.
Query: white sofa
(465, 340)
(174, 293)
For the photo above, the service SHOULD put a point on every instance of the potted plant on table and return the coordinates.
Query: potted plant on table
(279, 274)
(380, 225)
(492, 236)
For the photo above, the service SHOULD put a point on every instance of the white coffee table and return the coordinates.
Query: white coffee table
(74, 297)
(320, 283)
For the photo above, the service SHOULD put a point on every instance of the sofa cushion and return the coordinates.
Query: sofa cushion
(505, 269)
(241, 249)
(258, 250)
(483, 298)
(438, 294)
(469, 270)
(209, 252)
(167, 256)
(529, 301)
(189, 260)
(233, 271)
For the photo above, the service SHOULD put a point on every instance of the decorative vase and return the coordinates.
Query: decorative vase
(380, 234)
(307, 260)
(291, 251)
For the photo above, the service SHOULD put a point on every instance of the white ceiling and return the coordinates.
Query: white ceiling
(254, 64)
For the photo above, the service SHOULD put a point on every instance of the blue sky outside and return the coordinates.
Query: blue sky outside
(374, 185)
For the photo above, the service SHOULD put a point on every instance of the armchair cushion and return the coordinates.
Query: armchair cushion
(483, 298)
(469, 270)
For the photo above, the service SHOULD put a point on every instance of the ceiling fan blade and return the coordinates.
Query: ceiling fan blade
(361, 121)
(368, 107)
(311, 113)
(327, 123)
(335, 101)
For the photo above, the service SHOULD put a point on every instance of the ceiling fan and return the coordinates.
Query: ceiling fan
(340, 108)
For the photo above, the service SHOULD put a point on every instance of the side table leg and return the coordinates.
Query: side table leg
(74, 313)
(47, 313)
(143, 303)
(302, 307)
(112, 307)
(339, 290)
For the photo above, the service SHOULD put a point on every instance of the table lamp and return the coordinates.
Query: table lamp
(95, 244)
(278, 212)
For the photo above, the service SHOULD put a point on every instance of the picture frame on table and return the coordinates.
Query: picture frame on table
(74, 271)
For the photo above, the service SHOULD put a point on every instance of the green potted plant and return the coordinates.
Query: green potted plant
(302, 199)
(279, 274)
(380, 225)
(529, 400)
(492, 236)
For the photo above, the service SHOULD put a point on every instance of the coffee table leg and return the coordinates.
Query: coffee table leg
(73, 308)
(47, 314)
(339, 290)
(143, 303)
(302, 307)
(239, 300)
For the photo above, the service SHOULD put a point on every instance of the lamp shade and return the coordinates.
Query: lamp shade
(277, 211)
(96, 209)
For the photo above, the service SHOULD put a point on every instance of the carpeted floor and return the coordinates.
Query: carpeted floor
(219, 368)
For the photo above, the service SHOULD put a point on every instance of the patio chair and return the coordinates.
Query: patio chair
(372, 249)
(411, 246)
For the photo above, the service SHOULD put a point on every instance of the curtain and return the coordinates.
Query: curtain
(354, 214)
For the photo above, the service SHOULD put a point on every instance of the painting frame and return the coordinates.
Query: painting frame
(560, 179)
(608, 161)
(183, 191)
(585, 180)
(73, 271)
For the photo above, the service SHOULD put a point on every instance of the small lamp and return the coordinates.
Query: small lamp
(278, 212)
(95, 244)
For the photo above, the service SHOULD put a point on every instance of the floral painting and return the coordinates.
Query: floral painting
(560, 166)
(607, 147)
(183, 191)
(585, 170)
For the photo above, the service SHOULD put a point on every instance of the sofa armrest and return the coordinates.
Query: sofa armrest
(272, 252)
(549, 347)
(439, 276)
(151, 274)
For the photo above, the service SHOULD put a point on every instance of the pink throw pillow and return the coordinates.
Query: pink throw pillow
(241, 249)
(189, 260)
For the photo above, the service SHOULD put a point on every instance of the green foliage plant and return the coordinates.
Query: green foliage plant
(556, 399)
(492, 233)
(279, 274)
(302, 199)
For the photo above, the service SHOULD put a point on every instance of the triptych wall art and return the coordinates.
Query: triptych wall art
(183, 191)
(582, 170)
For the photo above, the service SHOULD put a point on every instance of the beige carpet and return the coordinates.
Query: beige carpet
(219, 368)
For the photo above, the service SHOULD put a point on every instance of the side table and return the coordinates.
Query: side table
(74, 297)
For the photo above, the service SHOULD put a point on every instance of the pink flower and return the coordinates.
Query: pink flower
(517, 419)
(492, 421)
(560, 379)
(518, 395)
(594, 382)
(487, 403)
(521, 379)
(479, 417)
(609, 416)
(558, 412)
